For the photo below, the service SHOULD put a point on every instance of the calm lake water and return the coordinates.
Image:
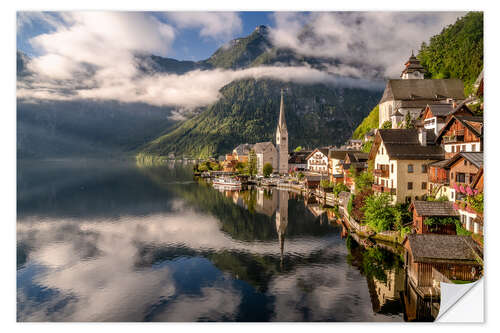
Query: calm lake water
(112, 241)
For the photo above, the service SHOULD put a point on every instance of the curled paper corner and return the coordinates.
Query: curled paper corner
(462, 302)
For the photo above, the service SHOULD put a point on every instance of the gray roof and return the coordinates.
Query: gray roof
(434, 248)
(243, 149)
(314, 178)
(475, 158)
(338, 154)
(441, 110)
(440, 164)
(324, 151)
(435, 208)
(403, 144)
(432, 89)
(261, 146)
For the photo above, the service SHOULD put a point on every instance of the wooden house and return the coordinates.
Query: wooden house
(335, 159)
(435, 115)
(356, 160)
(463, 168)
(428, 256)
(317, 160)
(312, 181)
(461, 134)
(425, 209)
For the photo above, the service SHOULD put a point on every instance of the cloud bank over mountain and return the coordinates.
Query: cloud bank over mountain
(93, 55)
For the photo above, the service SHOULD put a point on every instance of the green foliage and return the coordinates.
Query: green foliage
(440, 220)
(267, 169)
(457, 52)
(301, 175)
(409, 123)
(370, 122)
(433, 198)
(461, 231)
(476, 202)
(339, 187)
(387, 124)
(252, 163)
(367, 146)
(299, 148)
(350, 204)
(325, 183)
(241, 166)
(363, 181)
(378, 211)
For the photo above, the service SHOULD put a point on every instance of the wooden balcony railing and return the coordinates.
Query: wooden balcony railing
(383, 189)
(381, 172)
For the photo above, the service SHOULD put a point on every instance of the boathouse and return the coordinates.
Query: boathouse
(430, 258)
(437, 209)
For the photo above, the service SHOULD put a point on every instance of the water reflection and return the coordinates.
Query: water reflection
(108, 241)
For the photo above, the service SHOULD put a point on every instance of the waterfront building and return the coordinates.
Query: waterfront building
(424, 209)
(317, 160)
(356, 160)
(240, 153)
(297, 160)
(401, 158)
(335, 159)
(461, 134)
(266, 153)
(412, 93)
(432, 258)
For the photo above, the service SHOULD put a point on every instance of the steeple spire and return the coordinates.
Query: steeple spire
(282, 122)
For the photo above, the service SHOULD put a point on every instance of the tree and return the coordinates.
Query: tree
(387, 124)
(252, 163)
(378, 212)
(409, 121)
(267, 169)
(240, 167)
(299, 148)
(339, 187)
(363, 181)
(300, 176)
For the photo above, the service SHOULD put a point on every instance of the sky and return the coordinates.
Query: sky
(93, 54)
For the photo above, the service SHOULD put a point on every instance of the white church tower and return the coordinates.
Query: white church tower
(282, 140)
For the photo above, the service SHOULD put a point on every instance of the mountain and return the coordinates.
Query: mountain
(247, 111)
(456, 52)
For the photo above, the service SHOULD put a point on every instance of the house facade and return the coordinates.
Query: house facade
(461, 134)
(435, 115)
(317, 161)
(335, 159)
(401, 158)
(266, 153)
(297, 160)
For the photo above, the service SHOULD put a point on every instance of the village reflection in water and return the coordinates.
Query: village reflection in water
(114, 242)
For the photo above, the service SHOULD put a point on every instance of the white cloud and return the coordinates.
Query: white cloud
(217, 25)
(383, 39)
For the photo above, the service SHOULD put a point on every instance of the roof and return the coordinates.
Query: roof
(434, 208)
(243, 149)
(475, 158)
(338, 154)
(473, 123)
(441, 110)
(357, 156)
(324, 151)
(298, 157)
(282, 120)
(403, 144)
(419, 89)
(261, 146)
(314, 178)
(434, 248)
(440, 164)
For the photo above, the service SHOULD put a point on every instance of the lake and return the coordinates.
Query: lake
(111, 240)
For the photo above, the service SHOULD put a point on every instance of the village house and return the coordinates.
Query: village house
(461, 134)
(427, 209)
(370, 135)
(356, 160)
(312, 181)
(435, 115)
(412, 93)
(401, 158)
(335, 159)
(240, 153)
(317, 160)
(438, 177)
(432, 258)
(266, 153)
(354, 144)
(297, 160)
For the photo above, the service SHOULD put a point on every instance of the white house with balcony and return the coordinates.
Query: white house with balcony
(317, 161)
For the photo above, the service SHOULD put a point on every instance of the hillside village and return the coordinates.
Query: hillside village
(416, 180)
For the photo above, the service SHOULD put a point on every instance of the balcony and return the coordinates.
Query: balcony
(439, 180)
(383, 189)
(381, 172)
(453, 138)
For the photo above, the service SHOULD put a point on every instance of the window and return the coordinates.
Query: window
(424, 168)
(424, 186)
(452, 149)
(471, 177)
(392, 183)
(452, 194)
(463, 148)
(460, 177)
(410, 168)
(465, 162)
(410, 185)
(473, 147)
(392, 168)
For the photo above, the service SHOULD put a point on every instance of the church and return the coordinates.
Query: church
(412, 93)
(277, 155)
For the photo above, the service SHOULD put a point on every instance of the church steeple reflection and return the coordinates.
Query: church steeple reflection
(282, 221)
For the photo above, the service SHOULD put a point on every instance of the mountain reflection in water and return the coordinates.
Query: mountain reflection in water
(112, 241)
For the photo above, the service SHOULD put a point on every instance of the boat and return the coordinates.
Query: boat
(226, 182)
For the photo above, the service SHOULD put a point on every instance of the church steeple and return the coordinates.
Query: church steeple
(281, 139)
(413, 69)
(282, 121)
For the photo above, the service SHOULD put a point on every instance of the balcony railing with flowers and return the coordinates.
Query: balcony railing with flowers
(381, 172)
(383, 189)
(471, 201)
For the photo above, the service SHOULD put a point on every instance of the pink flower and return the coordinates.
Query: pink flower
(476, 192)
(462, 189)
(455, 187)
(468, 190)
